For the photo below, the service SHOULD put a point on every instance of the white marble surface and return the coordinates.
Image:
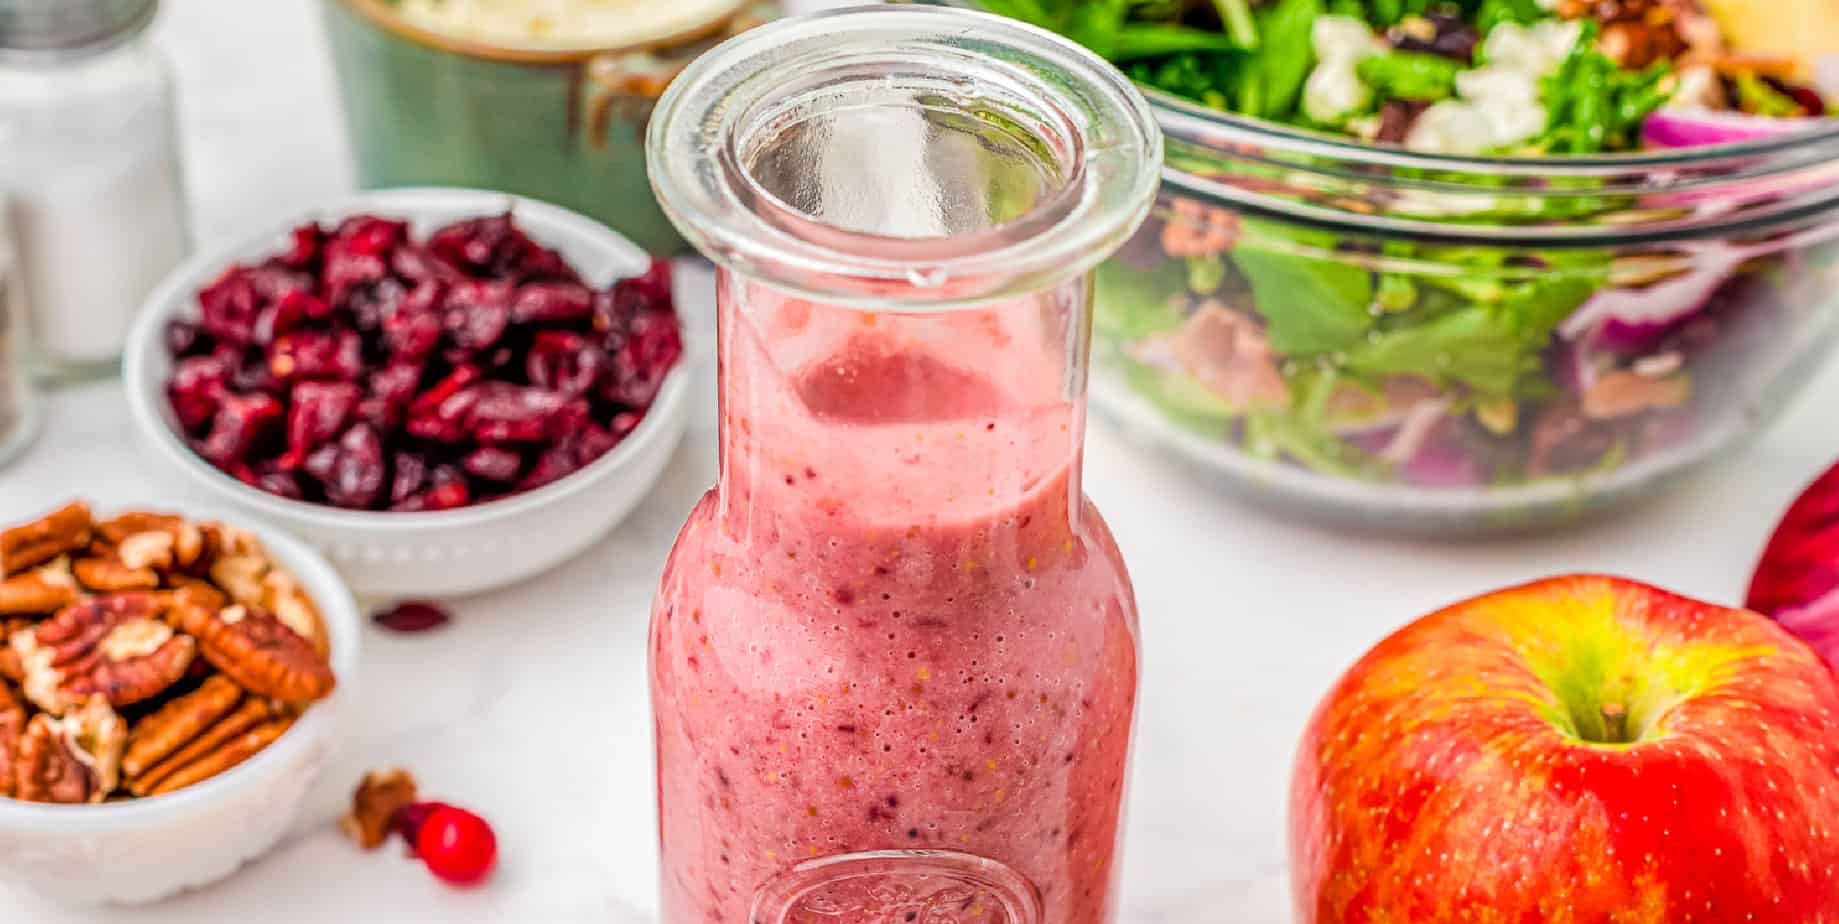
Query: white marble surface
(532, 707)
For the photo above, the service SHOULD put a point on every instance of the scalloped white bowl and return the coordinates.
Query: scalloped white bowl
(437, 553)
(146, 849)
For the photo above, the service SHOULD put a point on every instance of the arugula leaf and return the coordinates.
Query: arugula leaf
(1310, 304)
(1275, 432)
(1495, 349)
(1409, 75)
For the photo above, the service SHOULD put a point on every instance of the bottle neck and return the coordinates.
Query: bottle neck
(864, 424)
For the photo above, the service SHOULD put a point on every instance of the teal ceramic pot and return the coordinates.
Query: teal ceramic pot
(565, 126)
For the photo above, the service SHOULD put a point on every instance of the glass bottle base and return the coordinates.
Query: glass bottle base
(898, 887)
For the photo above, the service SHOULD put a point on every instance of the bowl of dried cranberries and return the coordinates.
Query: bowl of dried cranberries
(445, 390)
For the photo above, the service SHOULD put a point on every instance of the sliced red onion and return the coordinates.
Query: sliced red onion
(1629, 320)
(1691, 128)
(1797, 580)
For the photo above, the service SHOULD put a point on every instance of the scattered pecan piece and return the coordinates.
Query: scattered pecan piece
(255, 649)
(114, 646)
(73, 759)
(31, 545)
(178, 723)
(1624, 394)
(12, 726)
(379, 796)
(112, 575)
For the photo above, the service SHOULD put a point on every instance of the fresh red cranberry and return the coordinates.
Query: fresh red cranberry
(456, 845)
(411, 616)
(241, 421)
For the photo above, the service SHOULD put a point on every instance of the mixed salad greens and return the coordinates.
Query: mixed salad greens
(1400, 361)
(1519, 77)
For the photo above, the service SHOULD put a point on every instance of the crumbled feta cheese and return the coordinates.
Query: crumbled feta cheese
(1334, 89)
(1537, 49)
(1499, 104)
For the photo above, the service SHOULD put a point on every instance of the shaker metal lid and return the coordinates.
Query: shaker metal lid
(70, 25)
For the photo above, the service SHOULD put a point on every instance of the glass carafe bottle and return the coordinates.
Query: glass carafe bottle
(894, 656)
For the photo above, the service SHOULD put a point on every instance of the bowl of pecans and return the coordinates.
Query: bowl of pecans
(168, 690)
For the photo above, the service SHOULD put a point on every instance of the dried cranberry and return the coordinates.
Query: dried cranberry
(477, 313)
(303, 246)
(317, 412)
(227, 307)
(279, 317)
(241, 421)
(312, 354)
(553, 464)
(197, 389)
(321, 462)
(441, 413)
(413, 330)
(418, 264)
(495, 247)
(563, 361)
(639, 365)
(654, 285)
(371, 304)
(625, 422)
(411, 616)
(347, 272)
(391, 389)
(410, 473)
(449, 491)
(492, 463)
(506, 413)
(357, 476)
(271, 282)
(279, 483)
(370, 235)
(551, 302)
(183, 338)
(591, 442)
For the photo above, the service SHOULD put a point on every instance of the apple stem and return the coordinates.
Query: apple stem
(1615, 723)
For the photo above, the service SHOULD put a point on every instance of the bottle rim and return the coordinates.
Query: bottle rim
(1097, 126)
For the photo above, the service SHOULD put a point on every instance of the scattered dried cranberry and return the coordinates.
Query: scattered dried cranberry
(360, 368)
(411, 616)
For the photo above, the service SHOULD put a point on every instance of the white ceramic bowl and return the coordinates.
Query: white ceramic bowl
(444, 552)
(146, 849)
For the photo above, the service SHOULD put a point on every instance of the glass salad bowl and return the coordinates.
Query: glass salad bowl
(1448, 344)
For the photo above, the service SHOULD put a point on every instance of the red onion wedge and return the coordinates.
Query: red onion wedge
(1797, 581)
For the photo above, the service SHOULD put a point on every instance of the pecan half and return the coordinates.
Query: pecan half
(283, 596)
(374, 806)
(10, 667)
(73, 759)
(114, 646)
(202, 756)
(40, 592)
(12, 726)
(254, 648)
(37, 542)
(177, 723)
(111, 575)
(137, 533)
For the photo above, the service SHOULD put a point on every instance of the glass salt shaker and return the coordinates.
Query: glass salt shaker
(92, 172)
(18, 402)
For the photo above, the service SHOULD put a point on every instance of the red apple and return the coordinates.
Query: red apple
(1797, 581)
(1580, 749)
